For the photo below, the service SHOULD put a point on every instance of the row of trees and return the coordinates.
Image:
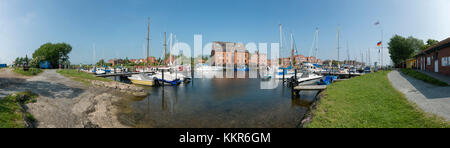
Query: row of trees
(56, 54)
(401, 48)
(20, 61)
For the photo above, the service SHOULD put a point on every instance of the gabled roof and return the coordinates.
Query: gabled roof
(439, 45)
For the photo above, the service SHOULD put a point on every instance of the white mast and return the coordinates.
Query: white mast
(317, 43)
(338, 44)
(281, 44)
(292, 46)
(93, 57)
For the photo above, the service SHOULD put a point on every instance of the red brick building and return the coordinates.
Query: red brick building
(435, 58)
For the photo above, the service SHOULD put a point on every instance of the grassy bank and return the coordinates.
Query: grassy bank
(80, 76)
(30, 72)
(369, 101)
(11, 113)
(423, 77)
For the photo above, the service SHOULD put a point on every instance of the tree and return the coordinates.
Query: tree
(55, 54)
(101, 62)
(126, 61)
(401, 48)
(430, 42)
(17, 61)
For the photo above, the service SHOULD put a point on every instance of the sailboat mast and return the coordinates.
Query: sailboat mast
(348, 53)
(165, 48)
(292, 52)
(281, 44)
(338, 44)
(317, 44)
(148, 41)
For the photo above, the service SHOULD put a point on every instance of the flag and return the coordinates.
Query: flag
(379, 43)
(377, 23)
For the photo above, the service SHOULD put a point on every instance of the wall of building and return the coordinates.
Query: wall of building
(444, 53)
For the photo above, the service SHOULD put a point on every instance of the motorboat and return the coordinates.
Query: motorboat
(142, 79)
(100, 71)
(307, 76)
(288, 73)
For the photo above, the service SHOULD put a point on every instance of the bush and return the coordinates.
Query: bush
(423, 77)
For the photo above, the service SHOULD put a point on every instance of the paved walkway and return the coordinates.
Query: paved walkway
(438, 76)
(430, 98)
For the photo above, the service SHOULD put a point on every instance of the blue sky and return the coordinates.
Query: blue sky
(118, 28)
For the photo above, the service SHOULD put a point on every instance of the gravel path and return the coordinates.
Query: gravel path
(430, 98)
(62, 102)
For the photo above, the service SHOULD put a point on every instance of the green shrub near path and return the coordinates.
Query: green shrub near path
(80, 76)
(30, 72)
(423, 77)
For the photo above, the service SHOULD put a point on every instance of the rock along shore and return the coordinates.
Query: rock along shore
(122, 87)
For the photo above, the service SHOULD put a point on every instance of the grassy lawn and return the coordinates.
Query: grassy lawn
(80, 76)
(11, 113)
(369, 101)
(423, 77)
(30, 72)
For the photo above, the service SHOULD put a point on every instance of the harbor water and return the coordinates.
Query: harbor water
(217, 103)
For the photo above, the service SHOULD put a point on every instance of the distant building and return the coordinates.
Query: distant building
(226, 53)
(258, 58)
(115, 62)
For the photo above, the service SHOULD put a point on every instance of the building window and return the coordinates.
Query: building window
(428, 61)
(445, 61)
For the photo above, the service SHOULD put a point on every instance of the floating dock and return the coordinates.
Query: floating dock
(297, 89)
(120, 74)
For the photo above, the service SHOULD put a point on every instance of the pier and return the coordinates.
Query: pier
(297, 89)
(128, 74)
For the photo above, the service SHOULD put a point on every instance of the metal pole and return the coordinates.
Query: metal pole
(163, 77)
(148, 42)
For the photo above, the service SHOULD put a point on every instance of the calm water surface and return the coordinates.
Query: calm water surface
(217, 102)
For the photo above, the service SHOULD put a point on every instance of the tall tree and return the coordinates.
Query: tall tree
(430, 42)
(101, 62)
(401, 48)
(54, 53)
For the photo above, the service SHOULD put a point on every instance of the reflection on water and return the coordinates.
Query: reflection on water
(219, 103)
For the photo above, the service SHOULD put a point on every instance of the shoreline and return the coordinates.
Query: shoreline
(65, 103)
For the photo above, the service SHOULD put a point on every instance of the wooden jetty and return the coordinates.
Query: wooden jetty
(296, 89)
(310, 87)
(126, 74)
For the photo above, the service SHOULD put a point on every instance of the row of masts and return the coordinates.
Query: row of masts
(293, 50)
(315, 48)
(165, 46)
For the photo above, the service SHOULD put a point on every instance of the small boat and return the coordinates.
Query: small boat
(307, 76)
(327, 80)
(288, 73)
(100, 71)
(142, 79)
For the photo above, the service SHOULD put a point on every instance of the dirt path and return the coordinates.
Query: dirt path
(63, 102)
(430, 98)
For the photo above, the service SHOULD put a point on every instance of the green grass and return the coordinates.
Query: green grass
(30, 72)
(369, 101)
(80, 76)
(11, 113)
(423, 77)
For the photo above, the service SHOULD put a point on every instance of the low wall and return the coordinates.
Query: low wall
(122, 87)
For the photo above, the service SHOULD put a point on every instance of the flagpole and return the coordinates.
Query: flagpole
(382, 48)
